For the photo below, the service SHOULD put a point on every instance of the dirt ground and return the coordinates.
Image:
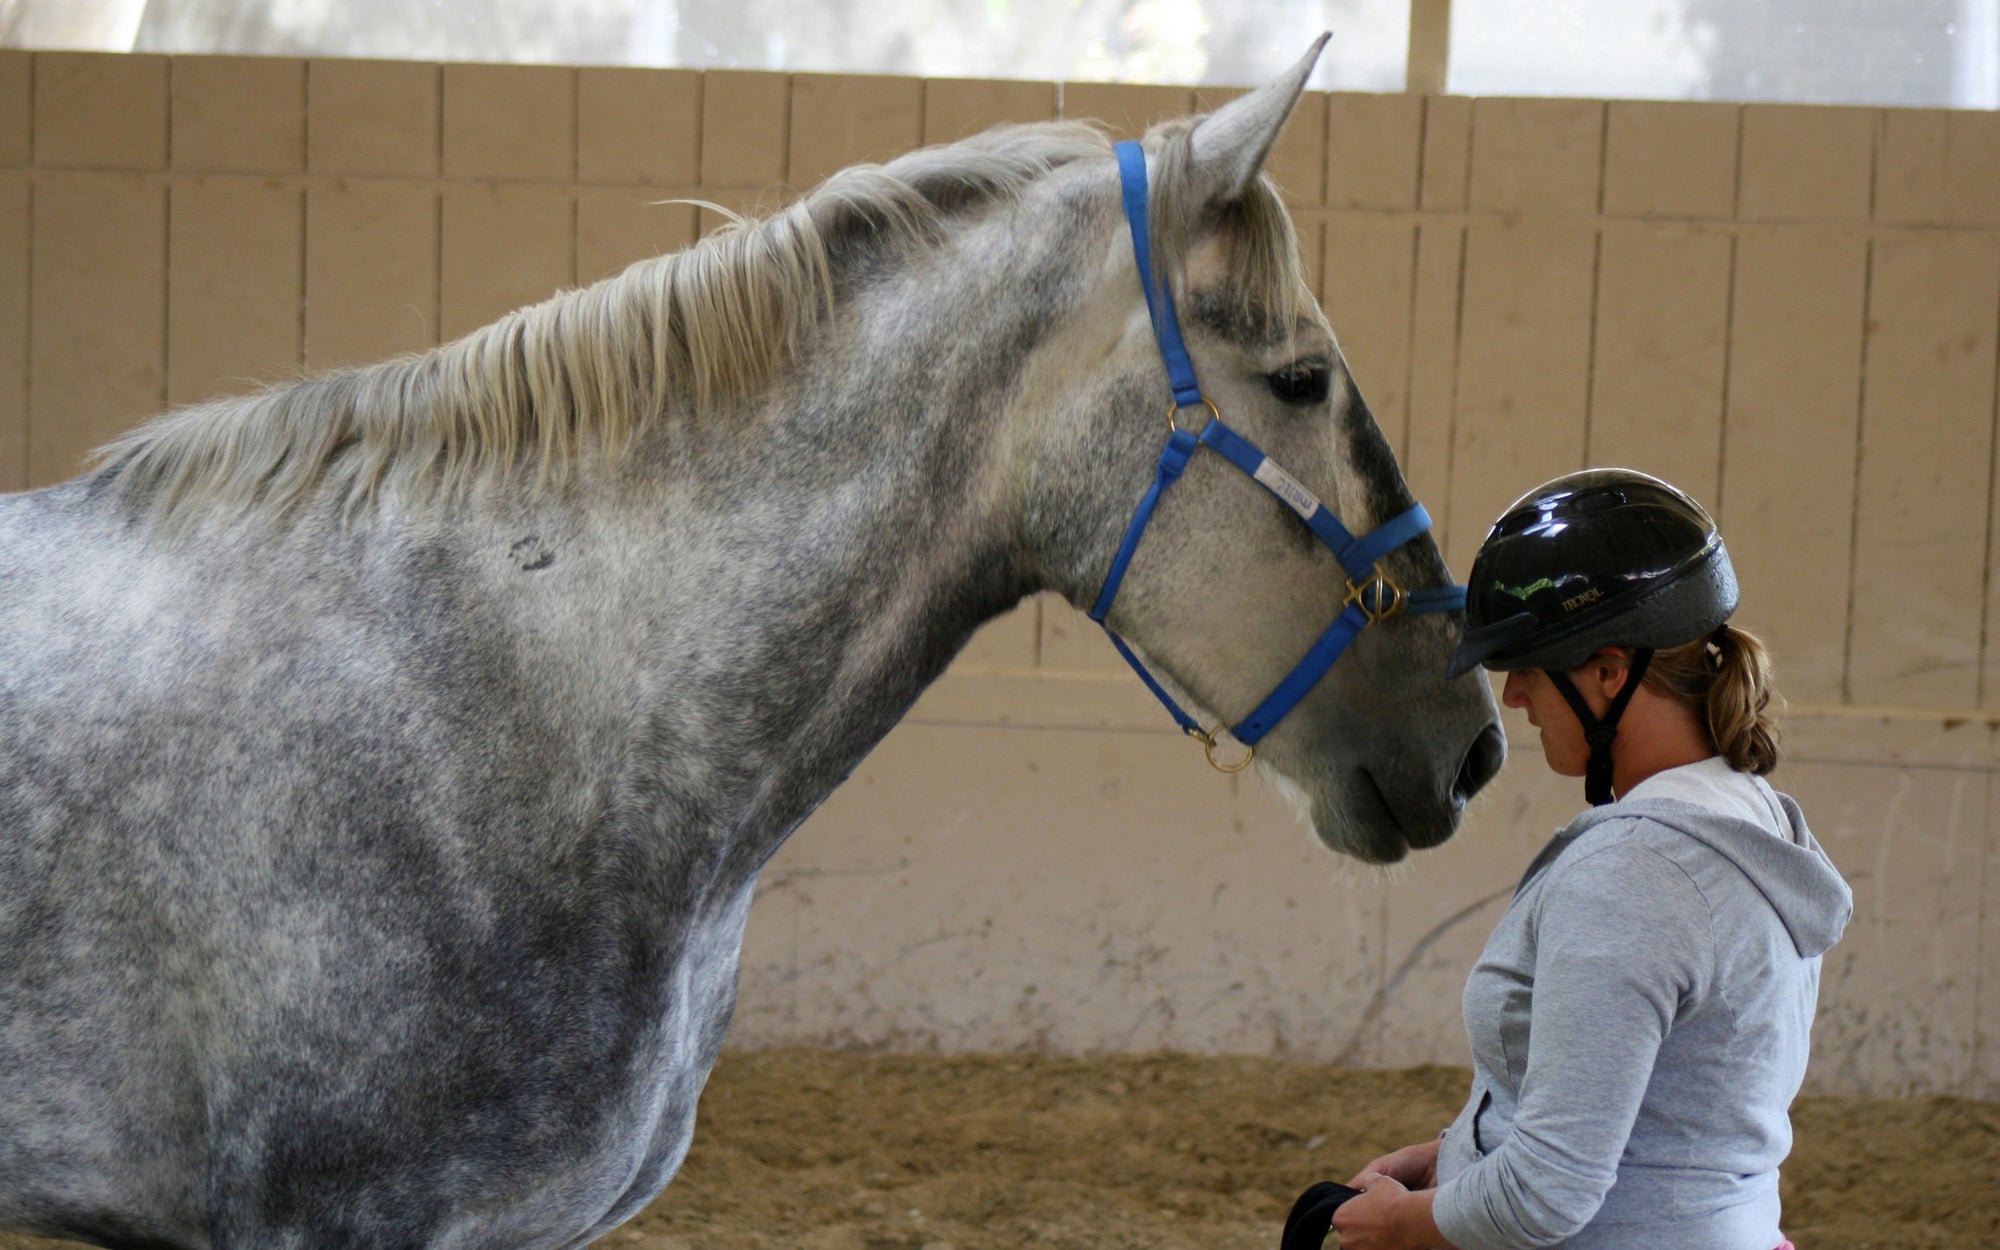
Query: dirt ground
(830, 1151)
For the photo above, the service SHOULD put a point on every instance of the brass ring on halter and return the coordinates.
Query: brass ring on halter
(1174, 410)
(1385, 589)
(1208, 742)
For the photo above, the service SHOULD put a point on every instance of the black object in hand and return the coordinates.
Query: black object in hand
(1312, 1216)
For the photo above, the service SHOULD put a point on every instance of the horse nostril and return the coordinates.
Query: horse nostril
(1482, 762)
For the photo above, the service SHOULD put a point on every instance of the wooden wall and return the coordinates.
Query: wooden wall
(1789, 310)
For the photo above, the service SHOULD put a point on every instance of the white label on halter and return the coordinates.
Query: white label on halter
(1287, 488)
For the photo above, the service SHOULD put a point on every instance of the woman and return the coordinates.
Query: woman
(1640, 1018)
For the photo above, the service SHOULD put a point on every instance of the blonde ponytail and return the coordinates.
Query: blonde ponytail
(1728, 676)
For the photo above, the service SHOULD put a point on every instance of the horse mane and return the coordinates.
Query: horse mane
(589, 368)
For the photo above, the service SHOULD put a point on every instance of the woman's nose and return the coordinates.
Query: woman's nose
(1514, 693)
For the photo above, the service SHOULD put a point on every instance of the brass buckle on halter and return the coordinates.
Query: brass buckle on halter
(1208, 742)
(1174, 410)
(1388, 599)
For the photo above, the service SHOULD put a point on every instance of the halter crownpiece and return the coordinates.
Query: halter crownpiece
(1371, 594)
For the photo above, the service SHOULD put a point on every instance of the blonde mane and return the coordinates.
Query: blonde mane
(588, 369)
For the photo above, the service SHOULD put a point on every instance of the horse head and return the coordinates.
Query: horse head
(1228, 585)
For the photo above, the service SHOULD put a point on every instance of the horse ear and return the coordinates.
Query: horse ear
(1231, 143)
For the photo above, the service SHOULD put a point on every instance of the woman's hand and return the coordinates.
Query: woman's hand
(1386, 1216)
(1415, 1166)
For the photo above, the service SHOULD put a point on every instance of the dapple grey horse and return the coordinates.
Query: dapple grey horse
(386, 759)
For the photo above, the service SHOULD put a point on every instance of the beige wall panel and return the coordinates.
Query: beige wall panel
(983, 888)
(1126, 108)
(616, 228)
(1662, 334)
(371, 273)
(376, 118)
(510, 121)
(1898, 995)
(1012, 640)
(745, 128)
(1298, 160)
(638, 126)
(1926, 455)
(957, 107)
(239, 114)
(100, 110)
(1312, 253)
(1972, 168)
(1435, 299)
(1788, 444)
(502, 249)
(1444, 905)
(1911, 152)
(1447, 167)
(1374, 150)
(1806, 162)
(1071, 641)
(843, 119)
(1542, 156)
(1524, 367)
(235, 256)
(1367, 294)
(1986, 1026)
(97, 335)
(1670, 159)
(15, 210)
(17, 107)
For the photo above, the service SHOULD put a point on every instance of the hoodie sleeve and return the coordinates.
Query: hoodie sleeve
(1623, 941)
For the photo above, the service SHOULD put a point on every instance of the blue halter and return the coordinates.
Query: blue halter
(1371, 595)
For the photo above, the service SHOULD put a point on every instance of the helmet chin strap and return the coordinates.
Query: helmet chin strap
(1601, 732)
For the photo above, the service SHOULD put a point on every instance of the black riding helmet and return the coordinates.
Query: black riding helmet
(1601, 558)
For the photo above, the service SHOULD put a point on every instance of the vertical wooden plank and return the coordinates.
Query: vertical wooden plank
(1662, 329)
(1374, 150)
(375, 118)
(843, 119)
(371, 272)
(97, 288)
(957, 107)
(1524, 368)
(15, 210)
(1435, 300)
(1806, 162)
(239, 114)
(1367, 294)
(1536, 156)
(100, 110)
(17, 108)
(1972, 167)
(502, 248)
(615, 229)
(1910, 157)
(1670, 159)
(640, 127)
(510, 121)
(1789, 444)
(1126, 109)
(1985, 1081)
(235, 255)
(1926, 447)
(1447, 162)
(745, 128)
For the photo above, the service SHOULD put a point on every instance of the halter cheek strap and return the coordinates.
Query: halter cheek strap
(1371, 595)
(1601, 732)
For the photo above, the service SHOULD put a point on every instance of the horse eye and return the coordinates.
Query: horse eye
(1301, 384)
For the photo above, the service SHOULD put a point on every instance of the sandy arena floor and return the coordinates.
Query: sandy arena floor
(831, 1151)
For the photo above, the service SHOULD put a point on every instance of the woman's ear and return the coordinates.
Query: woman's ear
(1607, 672)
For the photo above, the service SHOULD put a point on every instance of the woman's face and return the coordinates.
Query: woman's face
(1563, 745)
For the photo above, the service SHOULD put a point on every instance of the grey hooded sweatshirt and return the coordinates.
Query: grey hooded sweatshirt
(1640, 1023)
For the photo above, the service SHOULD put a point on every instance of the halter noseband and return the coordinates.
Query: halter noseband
(1371, 594)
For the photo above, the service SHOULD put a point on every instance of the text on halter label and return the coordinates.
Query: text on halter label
(1287, 488)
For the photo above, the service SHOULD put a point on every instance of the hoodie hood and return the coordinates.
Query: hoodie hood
(1791, 871)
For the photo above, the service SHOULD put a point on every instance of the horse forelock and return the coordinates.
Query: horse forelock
(538, 390)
